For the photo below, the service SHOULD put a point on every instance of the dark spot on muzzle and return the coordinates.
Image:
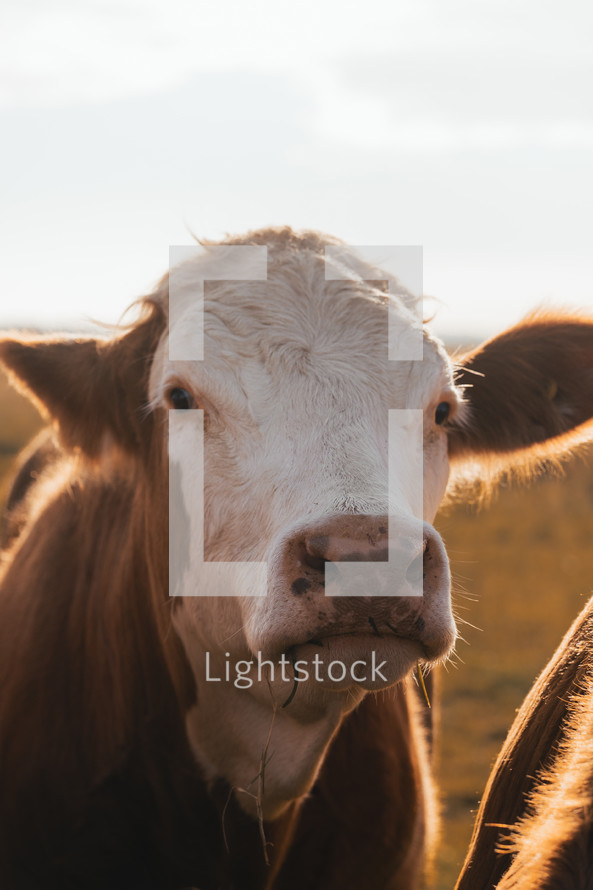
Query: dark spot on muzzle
(300, 586)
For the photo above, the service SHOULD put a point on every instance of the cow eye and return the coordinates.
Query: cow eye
(442, 412)
(180, 399)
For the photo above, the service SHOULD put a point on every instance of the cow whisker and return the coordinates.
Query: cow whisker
(233, 634)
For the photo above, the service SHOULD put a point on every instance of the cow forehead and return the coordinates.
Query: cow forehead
(302, 292)
(297, 331)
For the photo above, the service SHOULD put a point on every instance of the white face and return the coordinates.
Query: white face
(296, 390)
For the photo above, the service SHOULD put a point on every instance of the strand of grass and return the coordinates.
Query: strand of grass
(295, 684)
(422, 684)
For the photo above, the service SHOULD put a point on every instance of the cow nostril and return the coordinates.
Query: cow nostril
(314, 552)
(415, 571)
(317, 563)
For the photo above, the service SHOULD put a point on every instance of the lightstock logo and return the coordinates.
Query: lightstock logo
(190, 269)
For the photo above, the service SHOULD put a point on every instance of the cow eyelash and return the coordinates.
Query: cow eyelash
(180, 398)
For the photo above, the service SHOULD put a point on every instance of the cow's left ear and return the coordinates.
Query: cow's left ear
(89, 387)
(528, 390)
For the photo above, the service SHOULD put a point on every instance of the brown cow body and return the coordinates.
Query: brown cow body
(101, 783)
(534, 830)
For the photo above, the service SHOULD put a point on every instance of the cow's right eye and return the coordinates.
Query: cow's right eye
(180, 399)
(441, 415)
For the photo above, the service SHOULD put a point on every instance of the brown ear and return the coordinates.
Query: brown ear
(90, 387)
(530, 385)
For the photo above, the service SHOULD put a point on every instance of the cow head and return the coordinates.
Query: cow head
(287, 471)
(296, 392)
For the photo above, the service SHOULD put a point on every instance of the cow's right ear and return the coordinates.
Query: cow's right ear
(528, 392)
(89, 387)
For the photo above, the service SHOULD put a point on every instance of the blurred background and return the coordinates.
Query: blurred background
(465, 128)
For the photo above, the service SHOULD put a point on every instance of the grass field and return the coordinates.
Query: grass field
(523, 569)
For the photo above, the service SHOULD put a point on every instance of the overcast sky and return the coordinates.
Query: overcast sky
(463, 127)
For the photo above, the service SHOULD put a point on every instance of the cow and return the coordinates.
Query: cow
(534, 828)
(127, 758)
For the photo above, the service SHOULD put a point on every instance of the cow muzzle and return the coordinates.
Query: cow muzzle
(351, 584)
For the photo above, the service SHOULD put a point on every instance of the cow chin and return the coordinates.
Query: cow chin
(297, 718)
(337, 669)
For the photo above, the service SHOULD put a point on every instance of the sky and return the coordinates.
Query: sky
(463, 127)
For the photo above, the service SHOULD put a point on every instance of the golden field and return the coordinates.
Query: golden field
(523, 567)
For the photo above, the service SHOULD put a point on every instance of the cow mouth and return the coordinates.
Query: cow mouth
(370, 651)
(323, 638)
(429, 647)
(372, 658)
(356, 658)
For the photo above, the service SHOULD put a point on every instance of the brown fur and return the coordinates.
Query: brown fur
(523, 388)
(93, 686)
(91, 387)
(40, 454)
(534, 829)
(529, 393)
(364, 838)
(85, 585)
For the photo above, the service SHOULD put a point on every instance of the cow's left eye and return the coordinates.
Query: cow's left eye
(180, 399)
(442, 412)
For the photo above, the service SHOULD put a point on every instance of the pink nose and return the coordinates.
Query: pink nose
(362, 539)
(356, 538)
(387, 597)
